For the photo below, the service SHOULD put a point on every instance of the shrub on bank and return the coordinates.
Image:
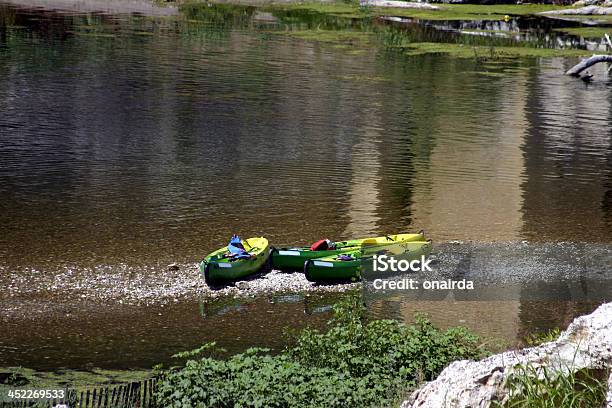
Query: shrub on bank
(354, 363)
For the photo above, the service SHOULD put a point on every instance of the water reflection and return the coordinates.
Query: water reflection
(140, 149)
(127, 139)
(140, 337)
(490, 158)
(81, 337)
(567, 158)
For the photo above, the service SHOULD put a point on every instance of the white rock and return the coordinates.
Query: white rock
(587, 343)
(582, 3)
(583, 11)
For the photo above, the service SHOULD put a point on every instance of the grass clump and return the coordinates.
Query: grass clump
(348, 38)
(536, 339)
(541, 387)
(354, 363)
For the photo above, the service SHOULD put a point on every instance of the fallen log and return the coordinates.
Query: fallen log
(587, 343)
(397, 4)
(586, 63)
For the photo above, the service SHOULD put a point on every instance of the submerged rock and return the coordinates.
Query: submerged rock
(587, 343)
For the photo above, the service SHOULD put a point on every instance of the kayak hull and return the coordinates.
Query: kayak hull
(333, 268)
(218, 268)
(319, 270)
(294, 258)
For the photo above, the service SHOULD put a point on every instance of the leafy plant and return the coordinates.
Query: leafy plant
(355, 362)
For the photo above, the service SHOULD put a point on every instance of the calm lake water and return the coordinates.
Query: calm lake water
(137, 140)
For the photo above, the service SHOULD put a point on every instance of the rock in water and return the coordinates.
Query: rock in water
(173, 267)
(587, 343)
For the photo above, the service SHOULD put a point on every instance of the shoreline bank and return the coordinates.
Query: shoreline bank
(509, 263)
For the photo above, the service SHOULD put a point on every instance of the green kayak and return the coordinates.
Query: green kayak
(293, 258)
(347, 266)
(220, 266)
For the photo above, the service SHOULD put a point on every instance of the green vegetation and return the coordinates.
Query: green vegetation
(350, 38)
(536, 339)
(221, 15)
(396, 40)
(587, 32)
(11, 377)
(341, 9)
(485, 53)
(446, 12)
(354, 363)
(474, 11)
(346, 26)
(540, 387)
(592, 19)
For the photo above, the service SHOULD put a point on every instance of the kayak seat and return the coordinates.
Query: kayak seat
(244, 255)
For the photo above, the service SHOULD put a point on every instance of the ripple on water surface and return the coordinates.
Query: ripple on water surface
(130, 142)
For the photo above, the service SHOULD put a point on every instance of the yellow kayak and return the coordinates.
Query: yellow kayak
(293, 258)
(222, 266)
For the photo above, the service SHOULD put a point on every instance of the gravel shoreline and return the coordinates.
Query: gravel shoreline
(127, 285)
(492, 263)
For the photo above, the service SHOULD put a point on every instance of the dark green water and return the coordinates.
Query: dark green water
(139, 140)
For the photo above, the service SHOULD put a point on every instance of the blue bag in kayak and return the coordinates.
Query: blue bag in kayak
(236, 248)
